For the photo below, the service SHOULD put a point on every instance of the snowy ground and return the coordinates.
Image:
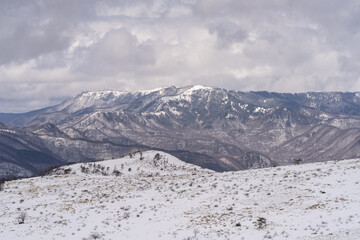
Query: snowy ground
(164, 198)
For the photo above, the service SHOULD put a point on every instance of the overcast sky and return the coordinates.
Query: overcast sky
(51, 50)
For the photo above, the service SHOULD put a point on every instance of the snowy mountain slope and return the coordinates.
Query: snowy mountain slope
(322, 142)
(309, 201)
(24, 154)
(236, 130)
(8, 117)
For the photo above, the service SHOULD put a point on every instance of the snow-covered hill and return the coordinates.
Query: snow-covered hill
(161, 197)
(149, 163)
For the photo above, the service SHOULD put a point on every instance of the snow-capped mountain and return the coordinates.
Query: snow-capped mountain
(153, 195)
(211, 127)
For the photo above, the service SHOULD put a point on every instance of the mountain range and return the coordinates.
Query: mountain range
(214, 128)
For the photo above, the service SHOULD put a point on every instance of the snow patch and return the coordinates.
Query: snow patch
(160, 113)
(197, 88)
(229, 115)
(7, 130)
(262, 110)
(243, 106)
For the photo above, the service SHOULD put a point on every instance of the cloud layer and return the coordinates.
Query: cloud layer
(51, 50)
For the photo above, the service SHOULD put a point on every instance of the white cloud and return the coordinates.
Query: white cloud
(52, 49)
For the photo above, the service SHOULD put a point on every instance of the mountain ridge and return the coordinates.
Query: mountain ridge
(236, 130)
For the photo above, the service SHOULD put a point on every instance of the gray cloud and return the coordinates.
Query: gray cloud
(28, 41)
(51, 49)
(117, 51)
(33, 28)
(227, 33)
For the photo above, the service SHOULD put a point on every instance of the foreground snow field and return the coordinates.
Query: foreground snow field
(151, 196)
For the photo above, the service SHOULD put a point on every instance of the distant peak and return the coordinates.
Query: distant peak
(99, 94)
(194, 88)
(160, 89)
(200, 87)
(117, 92)
(187, 89)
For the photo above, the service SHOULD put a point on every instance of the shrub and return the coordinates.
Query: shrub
(84, 169)
(47, 171)
(298, 161)
(95, 235)
(21, 218)
(126, 215)
(2, 183)
(116, 172)
(157, 156)
(260, 223)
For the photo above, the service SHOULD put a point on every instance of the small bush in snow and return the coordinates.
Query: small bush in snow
(2, 185)
(95, 236)
(21, 218)
(260, 223)
(116, 172)
(297, 161)
(157, 156)
(84, 169)
(126, 215)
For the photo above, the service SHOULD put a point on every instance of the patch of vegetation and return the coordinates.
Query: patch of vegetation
(94, 236)
(260, 223)
(2, 184)
(21, 218)
(297, 161)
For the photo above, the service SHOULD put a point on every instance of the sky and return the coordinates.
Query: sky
(51, 50)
